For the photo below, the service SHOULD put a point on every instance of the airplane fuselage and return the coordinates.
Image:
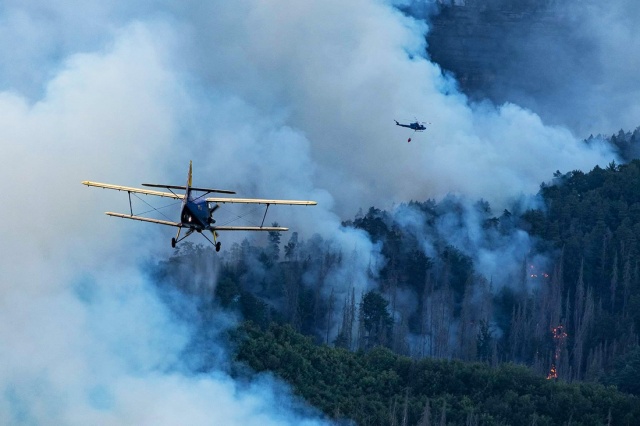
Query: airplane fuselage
(195, 214)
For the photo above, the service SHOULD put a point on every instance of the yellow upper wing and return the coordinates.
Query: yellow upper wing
(223, 200)
(136, 190)
(220, 200)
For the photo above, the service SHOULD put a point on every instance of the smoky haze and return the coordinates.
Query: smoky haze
(342, 82)
(271, 99)
(572, 62)
(85, 338)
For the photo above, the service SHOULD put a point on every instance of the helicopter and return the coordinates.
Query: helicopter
(416, 126)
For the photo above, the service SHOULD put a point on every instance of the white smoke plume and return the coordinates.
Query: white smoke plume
(280, 99)
(85, 339)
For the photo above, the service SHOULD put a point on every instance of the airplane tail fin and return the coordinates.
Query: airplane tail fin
(397, 122)
(189, 182)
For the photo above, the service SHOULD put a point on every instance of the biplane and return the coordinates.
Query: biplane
(196, 214)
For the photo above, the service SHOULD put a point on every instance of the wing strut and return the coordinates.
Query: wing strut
(265, 215)
(130, 207)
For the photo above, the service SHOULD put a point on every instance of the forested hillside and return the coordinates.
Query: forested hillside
(379, 387)
(552, 286)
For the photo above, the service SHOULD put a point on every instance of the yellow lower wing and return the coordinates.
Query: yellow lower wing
(214, 228)
(144, 219)
(250, 228)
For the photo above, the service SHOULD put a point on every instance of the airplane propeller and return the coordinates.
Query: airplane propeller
(213, 209)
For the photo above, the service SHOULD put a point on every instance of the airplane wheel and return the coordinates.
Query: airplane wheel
(173, 243)
(218, 244)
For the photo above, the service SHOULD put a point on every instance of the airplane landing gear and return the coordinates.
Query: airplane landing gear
(218, 246)
(177, 238)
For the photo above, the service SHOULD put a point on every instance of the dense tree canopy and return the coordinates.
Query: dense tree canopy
(454, 283)
(379, 387)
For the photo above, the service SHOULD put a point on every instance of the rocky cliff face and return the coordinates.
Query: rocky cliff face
(573, 62)
(497, 49)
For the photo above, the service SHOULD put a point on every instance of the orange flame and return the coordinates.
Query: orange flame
(533, 273)
(559, 336)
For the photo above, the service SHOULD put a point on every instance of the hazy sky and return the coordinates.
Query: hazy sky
(282, 99)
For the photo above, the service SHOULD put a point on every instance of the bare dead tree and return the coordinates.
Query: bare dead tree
(425, 420)
(393, 420)
(582, 317)
(443, 414)
(330, 314)
(626, 285)
(466, 342)
(405, 408)
(614, 279)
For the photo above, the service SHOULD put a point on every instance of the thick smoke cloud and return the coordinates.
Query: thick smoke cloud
(278, 99)
(319, 94)
(341, 81)
(85, 339)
